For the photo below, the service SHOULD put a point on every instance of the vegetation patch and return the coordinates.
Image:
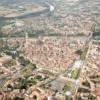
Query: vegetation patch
(67, 88)
(18, 98)
(25, 83)
(96, 35)
(82, 53)
(75, 73)
(10, 63)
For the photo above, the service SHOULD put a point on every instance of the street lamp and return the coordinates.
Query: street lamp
(49, 97)
(68, 95)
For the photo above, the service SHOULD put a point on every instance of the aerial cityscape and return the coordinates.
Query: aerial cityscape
(49, 49)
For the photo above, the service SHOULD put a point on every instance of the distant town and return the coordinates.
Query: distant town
(50, 50)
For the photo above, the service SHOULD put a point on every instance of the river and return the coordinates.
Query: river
(50, 8)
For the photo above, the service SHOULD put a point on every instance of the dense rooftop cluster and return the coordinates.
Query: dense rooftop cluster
(52, 53)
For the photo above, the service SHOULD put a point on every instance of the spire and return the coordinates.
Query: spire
(26, 39)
